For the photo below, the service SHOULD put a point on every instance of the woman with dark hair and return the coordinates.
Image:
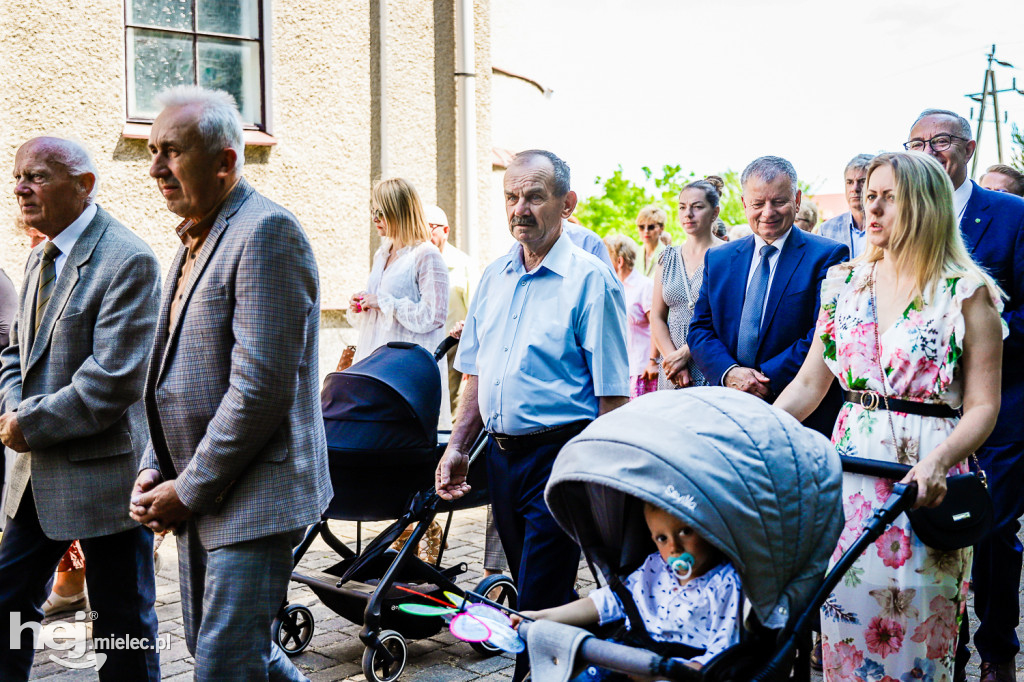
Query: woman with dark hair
(677, 281)
(912, 323)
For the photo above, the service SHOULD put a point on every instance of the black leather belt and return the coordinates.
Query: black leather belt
(870, 400)
(532, 441)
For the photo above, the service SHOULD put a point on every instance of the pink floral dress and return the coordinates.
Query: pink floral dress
(896, 614)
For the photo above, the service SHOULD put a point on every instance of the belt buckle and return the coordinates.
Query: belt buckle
(869, 400)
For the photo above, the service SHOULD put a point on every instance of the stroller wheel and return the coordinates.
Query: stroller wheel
(501, 589)
(293, 629)
(374, 666)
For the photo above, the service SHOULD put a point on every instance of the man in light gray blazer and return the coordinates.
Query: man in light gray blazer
(71, 384)
(237, 461)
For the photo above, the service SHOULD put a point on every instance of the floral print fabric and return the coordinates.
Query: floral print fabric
(896, 614)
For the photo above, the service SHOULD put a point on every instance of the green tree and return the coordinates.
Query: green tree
(1018, 152)
(614, 210)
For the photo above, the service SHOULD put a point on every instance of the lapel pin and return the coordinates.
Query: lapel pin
(977, 220)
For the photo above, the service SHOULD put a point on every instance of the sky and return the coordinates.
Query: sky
(712, 85)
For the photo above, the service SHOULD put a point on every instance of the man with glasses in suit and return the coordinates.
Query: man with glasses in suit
(992, 224)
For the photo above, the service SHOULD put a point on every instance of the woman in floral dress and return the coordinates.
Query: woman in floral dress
(916, 305)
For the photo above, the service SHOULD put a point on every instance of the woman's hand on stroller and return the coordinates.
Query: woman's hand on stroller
(450, 475)
(930, 476)
(456, 330)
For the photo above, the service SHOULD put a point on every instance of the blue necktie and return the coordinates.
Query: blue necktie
(753, 308)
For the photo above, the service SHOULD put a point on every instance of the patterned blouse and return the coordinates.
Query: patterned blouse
(702, 613)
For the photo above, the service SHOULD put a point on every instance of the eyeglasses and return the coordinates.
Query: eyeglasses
(648, 227)
(376, 214)
(939, 143)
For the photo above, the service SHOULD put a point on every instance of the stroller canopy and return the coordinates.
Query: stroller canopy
(389, 400)
(747, 477)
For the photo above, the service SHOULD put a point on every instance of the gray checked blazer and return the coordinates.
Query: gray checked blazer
(77, 387)
(232, 391)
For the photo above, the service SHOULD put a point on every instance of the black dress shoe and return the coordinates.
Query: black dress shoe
(998, 672)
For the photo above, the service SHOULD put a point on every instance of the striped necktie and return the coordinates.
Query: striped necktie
(47, 280)
(753, 309)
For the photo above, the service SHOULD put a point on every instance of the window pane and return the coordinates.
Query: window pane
(176, 14)
(156, 60)
(236, 17)
(233, 66)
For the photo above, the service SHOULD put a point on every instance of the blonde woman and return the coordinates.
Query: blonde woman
(406, 298)
(650, 225)
(915, 320)
(643, 377)
(677, 281)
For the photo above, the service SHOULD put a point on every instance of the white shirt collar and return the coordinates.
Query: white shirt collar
(961, 195)
(66, 240)
(778, 243)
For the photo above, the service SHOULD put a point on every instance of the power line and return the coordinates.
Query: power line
(989, 90)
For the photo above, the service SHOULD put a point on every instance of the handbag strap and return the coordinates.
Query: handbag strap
(878, 357)
(878, 361)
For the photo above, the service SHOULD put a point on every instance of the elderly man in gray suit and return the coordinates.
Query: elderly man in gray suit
(71, 385)
(237, 461)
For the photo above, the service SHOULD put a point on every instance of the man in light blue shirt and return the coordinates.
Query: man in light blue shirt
(544, 349)
(588, 240)
(848, 228)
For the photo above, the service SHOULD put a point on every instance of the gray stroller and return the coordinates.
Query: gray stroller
(749, 479)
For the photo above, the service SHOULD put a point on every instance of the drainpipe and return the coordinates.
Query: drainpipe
(382, 22)
(465, 84)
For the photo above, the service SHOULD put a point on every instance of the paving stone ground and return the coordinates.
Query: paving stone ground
(335, 653)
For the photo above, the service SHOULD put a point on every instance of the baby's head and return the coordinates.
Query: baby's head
(674, 537)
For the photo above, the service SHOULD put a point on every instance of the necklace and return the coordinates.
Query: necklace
(691, 298)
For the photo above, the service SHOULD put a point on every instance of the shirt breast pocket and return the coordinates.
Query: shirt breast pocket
(546, 356)
(210, 312)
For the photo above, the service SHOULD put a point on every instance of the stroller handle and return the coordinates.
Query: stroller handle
(873, 467)
(627, 660)
(902, 498)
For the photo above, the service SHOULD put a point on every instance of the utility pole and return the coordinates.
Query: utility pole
(989, 89)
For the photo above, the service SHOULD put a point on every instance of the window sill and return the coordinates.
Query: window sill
(253, 138)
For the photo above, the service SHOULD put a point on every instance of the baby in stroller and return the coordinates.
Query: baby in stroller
(761, 491)
(686, 592)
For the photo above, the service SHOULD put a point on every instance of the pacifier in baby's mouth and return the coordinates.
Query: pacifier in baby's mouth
(682, 565)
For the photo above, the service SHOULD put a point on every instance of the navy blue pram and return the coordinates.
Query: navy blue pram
(380, 417)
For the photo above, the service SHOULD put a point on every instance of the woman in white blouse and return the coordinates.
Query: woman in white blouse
(406, 298)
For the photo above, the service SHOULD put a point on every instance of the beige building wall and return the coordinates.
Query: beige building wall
(63, 73)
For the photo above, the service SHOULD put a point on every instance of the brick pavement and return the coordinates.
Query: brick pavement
(335, 653)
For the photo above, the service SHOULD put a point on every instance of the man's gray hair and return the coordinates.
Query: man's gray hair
(859, 162)
(75, 158)
(767, 168)
(219, 123)
(965, 125)
(560, 185)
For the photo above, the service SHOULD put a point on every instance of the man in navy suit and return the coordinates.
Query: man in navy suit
(992, 224)
(755, 317)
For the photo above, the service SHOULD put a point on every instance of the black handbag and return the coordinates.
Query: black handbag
(965, 515)
(963, 518)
